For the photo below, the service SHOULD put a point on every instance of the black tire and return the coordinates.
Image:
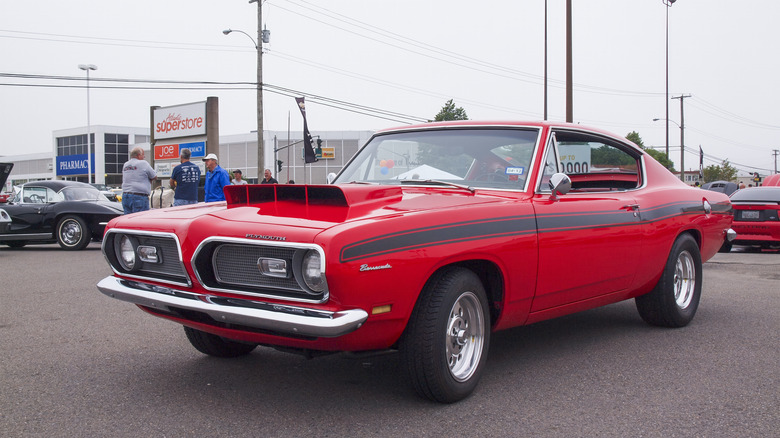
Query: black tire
(214, 345)
(73, 233)
(726, 247)
(445, 345)
(674, 300)
(15, 243)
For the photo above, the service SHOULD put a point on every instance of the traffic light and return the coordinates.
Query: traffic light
(756, 177)
(279, 165)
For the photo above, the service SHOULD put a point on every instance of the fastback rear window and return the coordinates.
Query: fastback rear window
(757, 194)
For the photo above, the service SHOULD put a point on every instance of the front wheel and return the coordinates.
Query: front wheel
(444, 347)
(214, 345)
(674, 300)
(73, 233)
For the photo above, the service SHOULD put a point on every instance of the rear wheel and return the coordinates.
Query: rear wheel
(73, 233)
(674, 300)
(214, 345)
(444, 347)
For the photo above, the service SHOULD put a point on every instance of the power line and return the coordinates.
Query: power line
(215, 85)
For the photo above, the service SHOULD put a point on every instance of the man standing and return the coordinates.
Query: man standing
(137, 176)
(238, 178)
(184, 179)
(216, 179)
(269, 179)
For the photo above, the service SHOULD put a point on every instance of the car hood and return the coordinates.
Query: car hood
(298, 212)
(5, 170)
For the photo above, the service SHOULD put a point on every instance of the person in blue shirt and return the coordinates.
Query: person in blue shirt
(185, 178)
(216, 179)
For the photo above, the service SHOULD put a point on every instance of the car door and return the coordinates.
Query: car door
(589, 240)
(29, 214)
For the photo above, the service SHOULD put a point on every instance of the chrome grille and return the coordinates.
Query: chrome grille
(171, 265)
(169, 270)
(229, 264)
(237, 265)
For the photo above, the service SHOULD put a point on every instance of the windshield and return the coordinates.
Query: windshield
(82, 194)
(490, 158)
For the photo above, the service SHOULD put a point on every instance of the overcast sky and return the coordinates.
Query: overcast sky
(406, 57)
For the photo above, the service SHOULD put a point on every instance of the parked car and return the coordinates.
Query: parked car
(67, 212)
(756, 217)
(431, 238)
(106, 191)
(771, 180)
(721, 186)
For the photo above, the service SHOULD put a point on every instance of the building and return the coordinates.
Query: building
(111, 146)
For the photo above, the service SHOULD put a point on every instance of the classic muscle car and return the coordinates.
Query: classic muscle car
(67, 212)
(431, 238)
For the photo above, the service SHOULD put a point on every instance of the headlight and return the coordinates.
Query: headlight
(312, 271)
(126, 252)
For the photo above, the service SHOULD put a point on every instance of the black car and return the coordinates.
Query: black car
(67, 212)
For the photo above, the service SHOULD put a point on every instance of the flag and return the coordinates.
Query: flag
(701, 163)
(308, 151)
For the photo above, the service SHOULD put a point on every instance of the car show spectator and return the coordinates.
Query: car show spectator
(185, 179)
(137, 177)
(216, 179)
(238, 178)
(268, 178)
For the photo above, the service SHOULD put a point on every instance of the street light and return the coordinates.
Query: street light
(682, 145)
(87, 68)
(262, 37)
(668, 4)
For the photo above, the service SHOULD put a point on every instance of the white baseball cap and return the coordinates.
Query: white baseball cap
(211, 157)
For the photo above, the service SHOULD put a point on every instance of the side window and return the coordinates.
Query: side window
(52, 196)
(34, 195)
(550, 164)
(598, 164)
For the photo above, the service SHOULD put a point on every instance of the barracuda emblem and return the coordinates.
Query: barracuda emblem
(364, 268)
(264, 237)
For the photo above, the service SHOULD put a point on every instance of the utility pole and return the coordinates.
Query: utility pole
(260, 156)
(682, 135)
(569, 74)
(775, 153)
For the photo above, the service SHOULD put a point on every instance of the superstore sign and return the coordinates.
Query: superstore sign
(180, 121)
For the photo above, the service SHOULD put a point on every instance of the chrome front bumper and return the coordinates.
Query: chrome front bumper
(283, 319)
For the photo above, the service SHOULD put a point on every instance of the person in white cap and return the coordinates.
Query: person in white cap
(216, 179)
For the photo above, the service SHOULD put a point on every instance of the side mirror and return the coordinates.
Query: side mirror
(331, 177)
(560, 184)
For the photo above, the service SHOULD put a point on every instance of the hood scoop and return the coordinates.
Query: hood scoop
(295, 195)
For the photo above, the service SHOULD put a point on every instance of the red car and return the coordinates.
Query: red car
(756, 217)
(430, 239)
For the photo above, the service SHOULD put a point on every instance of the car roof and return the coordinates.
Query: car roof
(57, 184)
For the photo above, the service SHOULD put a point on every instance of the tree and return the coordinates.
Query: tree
(658, 155)
(724, 172)
(634, 137)
(449, 112)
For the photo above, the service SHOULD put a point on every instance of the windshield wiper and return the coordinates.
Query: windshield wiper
(440, 182)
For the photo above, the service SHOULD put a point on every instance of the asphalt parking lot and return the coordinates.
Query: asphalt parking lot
(77, 363)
